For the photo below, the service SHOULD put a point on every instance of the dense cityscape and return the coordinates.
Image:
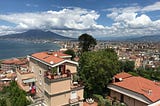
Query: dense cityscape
(47, 76)
(80, 53)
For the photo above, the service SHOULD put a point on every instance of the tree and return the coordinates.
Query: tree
(86, 42)
(15, 96)
(70, 52)
(127, 66)
(96, 69)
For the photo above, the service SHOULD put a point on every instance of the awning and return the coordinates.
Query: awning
(29, 80)
(5, 79)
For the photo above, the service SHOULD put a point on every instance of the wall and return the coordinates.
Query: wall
(71, 67)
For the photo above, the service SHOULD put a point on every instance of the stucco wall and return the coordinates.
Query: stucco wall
(71, 67)
(128, 100)
(60, 86)
(60, 100)
(36, 67)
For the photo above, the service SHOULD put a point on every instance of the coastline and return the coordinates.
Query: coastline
(20, 48)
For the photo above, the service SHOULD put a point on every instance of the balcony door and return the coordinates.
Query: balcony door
(73, 95)
(62, 69)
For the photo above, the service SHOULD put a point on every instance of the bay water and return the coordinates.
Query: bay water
(14, 48)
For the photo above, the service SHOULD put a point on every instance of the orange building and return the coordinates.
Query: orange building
(135, 90)
(55, 76)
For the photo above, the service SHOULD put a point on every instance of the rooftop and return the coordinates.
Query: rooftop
(14, 61)
(122, 75)
(140, 85)
(49, 57)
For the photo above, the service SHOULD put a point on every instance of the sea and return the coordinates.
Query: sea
(15, 48)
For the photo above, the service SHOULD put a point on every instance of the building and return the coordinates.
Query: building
(25, 77)
(10, 64)
(135, 90)
(56, 79)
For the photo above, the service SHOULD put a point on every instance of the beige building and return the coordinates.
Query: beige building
(55, 76)
(135, 90)
(25, 77)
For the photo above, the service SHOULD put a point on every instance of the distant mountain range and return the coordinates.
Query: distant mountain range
(48, 35)
(152, 38)
(36, 34)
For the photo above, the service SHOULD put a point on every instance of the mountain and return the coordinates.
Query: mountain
(36, 34)
(151, 38)
(120, 38)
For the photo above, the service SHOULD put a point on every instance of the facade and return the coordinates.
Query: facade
(10, 64)
(25, 77)
(55, 76)
(135, 90)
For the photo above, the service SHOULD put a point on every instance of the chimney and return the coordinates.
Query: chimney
(113, 80)
(51, 62)
(149, 92)
(55, 55)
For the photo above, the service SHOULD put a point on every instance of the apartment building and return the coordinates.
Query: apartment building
(25, 77)
(10, 64)
(55, 79)
(135, 90)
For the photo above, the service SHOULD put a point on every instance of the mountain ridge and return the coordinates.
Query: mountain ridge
(36, 34)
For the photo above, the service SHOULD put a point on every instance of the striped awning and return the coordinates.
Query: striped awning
(29, 80)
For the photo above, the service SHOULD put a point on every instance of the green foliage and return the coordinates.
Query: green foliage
(147, 73)
(54, 70)
(101, 100)
(86, 42)
(96, 69)
(70, 52)
(127, 66)
(3, 102)
(16, 96)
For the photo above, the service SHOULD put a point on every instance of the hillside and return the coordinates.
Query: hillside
(152, 38)
(36, 34)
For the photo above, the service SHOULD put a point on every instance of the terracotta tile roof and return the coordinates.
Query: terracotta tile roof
(122, 75)
(142, 86)
(10, 61)
(52, 57)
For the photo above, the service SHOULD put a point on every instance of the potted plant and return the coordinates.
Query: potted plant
(53, 71)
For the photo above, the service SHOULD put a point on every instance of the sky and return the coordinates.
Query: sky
(71, 18)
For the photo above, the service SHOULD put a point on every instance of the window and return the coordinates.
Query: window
(122, 98)
(40, 82)
(40, 72)
(73, 95)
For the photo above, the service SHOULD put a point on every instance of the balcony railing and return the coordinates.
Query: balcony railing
(76, 85)
(24, 72)
(74, 100)
(50, 77)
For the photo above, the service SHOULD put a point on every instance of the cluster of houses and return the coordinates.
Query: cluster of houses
(50, 77)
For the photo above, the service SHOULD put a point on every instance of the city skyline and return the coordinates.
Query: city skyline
(72, 18)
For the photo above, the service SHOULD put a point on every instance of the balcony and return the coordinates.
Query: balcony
(24, 72)
(74, 100)
(54, 77)
(76, 85)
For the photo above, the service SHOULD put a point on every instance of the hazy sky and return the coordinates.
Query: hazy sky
(100, 18)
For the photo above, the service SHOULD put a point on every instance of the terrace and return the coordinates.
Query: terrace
(54, 77)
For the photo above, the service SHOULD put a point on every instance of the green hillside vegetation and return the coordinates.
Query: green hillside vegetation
(13, 96)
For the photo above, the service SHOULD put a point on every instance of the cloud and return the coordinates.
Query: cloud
(154, 7)
(134, 20)
(75, 19)
(31, 5)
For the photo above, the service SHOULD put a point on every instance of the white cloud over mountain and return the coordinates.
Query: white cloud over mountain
(75, 21)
